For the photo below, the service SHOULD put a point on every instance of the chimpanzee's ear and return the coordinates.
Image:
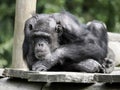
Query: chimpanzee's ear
(59, 28)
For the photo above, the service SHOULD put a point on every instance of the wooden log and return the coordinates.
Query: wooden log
(115, 46)
(1, 72)
(24, 10)
(114, 36)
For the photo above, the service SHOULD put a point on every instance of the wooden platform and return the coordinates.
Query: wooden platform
(64, 77)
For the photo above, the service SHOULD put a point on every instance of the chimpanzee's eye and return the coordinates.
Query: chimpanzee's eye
(47, 39)
(30, 27)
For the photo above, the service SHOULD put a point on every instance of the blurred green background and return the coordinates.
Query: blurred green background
(107, 11)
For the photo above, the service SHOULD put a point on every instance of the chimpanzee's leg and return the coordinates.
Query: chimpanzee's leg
(88, 65)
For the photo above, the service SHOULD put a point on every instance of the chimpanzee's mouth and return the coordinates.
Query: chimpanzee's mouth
(40, 56)
(39, 52)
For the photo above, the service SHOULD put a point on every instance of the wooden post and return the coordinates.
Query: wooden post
(24, 10)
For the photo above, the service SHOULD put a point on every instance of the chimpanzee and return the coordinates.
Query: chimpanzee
(58, 42)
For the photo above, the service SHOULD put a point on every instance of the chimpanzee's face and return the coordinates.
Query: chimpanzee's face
(41, 46)
(45, 37)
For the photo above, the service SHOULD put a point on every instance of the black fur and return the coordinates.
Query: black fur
(72, 47)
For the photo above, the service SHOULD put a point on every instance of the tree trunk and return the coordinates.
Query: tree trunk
(24, 10)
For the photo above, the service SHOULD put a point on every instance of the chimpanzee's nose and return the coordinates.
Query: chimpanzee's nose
(41, 44)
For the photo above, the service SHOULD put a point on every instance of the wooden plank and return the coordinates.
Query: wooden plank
(107, 78)
(66, 77)
(74, 77)
(17, 73)
(114, 77)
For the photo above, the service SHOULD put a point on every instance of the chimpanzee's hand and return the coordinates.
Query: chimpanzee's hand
(45, 64)
(39, 67)
(108, 65)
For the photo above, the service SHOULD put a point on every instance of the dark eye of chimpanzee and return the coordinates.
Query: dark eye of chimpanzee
(47, 39)
(30, 27)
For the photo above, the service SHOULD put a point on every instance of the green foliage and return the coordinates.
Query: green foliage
(107, 11)
(7, 9)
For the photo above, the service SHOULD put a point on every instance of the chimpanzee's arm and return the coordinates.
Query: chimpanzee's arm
(74, 52)
(78, 52)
